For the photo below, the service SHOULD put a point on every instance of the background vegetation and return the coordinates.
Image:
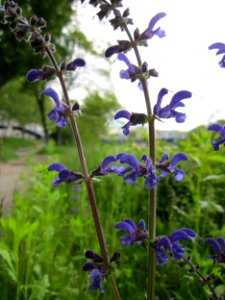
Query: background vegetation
(44, 238)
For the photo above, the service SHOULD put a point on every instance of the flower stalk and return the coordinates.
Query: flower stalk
(152, 201)
(86, 177)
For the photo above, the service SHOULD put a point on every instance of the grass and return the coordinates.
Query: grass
(9, 146)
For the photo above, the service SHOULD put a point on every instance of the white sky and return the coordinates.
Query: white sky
(182, 57)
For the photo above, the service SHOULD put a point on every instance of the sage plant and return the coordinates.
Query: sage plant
(149, 168)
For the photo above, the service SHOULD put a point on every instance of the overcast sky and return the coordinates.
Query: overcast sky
(182, 58)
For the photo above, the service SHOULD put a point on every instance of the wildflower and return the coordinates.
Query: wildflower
(122, 46)
(169, 110)
(78, 62)
(44, 74)
(135, 233)
(133, 119)
(65, 175)
(221, 49)
(132, 72)
(221, 130)
(98, 269)
(150, 31)
(134, 170)
(168, 167)
(131, 172)
(171, 244)
(219, 246)
(58, 113)
(151, 178)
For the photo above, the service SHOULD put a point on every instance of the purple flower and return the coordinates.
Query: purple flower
(135, 233)
(171, 244)
(168, 167)
(44, 74)
(98, 269)
(131, 172)
(219, 246)
(78, 62)
(132, 72)
(151, 178)
(58, 113)
(150, 31)
(221, 130)
(169, 111)
(133, 119)
(65, 175)
(221, 49)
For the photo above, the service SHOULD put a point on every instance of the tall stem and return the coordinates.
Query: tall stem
(151, 267)
(87, 179)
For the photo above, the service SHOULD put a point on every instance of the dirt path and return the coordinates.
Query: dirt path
(10, 174)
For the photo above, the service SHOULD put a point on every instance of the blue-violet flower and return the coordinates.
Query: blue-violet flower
(219, 246)
(169, 111)
(221, 130)
(221, 49)
(98, 269)
(65, 175)
(58, 113)
(136, 234)
(172, 245)
(168, 167)
(133, 119)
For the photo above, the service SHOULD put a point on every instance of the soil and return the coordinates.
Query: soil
(10, 178)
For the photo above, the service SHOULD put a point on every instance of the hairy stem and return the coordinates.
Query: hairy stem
(151, 268)
(188, 262)
(87, 179)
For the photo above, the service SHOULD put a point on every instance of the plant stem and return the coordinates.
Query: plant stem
(188, 262)
(87, 179)
(151, 268)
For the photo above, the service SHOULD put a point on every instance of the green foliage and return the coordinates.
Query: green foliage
(8, 146)
(43, 240)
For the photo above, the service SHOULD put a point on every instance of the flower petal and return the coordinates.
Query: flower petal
(34, 75)
(52, 93)
(56, 167)
(178, 157)
(122, 114)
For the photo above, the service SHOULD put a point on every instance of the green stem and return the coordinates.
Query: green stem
(87, 179)
(152, 201)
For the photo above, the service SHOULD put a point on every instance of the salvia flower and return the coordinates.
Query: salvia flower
(130, 170)
(59, 112)
(133, 119)
(170, 244)
(150, 31)
(219, 246)
(132, 72)
(64, 175)
(169, 111)
(168, 166)
(44, 74)
(122, 46)
(150, 175)
(78, 62)
(98, 269)
(221, 50)
(221, 130)
(136, 234)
